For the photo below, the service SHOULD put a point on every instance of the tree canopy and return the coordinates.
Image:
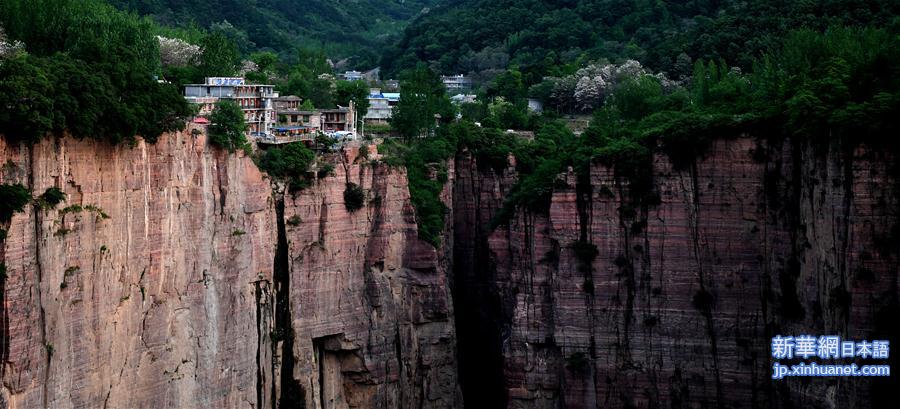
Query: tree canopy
(423, 97)
(88, 69)
(227, 126)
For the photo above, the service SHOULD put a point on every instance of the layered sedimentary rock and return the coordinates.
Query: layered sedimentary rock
(372, 317)
(140, 289)
(605, 302)
(175, 275)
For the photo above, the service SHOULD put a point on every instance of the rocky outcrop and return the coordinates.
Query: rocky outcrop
(174, 276)
(372, 317)
(608, 303)
(141, 289)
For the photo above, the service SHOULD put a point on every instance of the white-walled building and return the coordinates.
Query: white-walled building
(256, 101)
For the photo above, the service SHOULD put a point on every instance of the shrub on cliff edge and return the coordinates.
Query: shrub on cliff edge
(289, 163)
(354, 197)
(51, 198)
(13, 198)
(228, 126)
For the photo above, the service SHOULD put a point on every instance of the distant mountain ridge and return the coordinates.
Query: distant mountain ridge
(540, 36)
(343, 27)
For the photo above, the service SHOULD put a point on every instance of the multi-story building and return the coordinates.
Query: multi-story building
(341, 119)
(255, 100)
(352, 76)
(456, 82)
(381, 106)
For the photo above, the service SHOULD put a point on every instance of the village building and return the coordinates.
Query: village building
(456, 82)
(381, 106)
(255, 100)
(340, 119)
(294, 122)
(351, 76)
(391, 85)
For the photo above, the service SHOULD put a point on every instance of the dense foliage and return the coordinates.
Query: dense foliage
(354, 197)
(424, 104)
(289, 163)
(51, 197)
(13, 198)
(841, 86)
(87, 69)
(227, 126)
(545, 37)
(342, 28)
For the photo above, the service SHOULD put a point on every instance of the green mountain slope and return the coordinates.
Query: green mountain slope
(541, 35)
(342, 27)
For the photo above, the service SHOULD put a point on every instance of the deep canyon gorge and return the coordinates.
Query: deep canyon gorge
(178, 275)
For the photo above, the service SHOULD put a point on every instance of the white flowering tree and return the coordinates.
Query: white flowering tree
(174, 52)
(9, 48)
(590, 86)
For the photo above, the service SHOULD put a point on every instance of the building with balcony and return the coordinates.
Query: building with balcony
(381, 106)
(255, 100)
(340, 119)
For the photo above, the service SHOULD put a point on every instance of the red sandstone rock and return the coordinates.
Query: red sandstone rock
(153, 306)
(626, 330)
(370, 300)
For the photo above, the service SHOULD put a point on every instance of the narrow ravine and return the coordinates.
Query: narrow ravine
(291, 393)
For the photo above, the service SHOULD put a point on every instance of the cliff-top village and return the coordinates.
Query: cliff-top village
(273, 119)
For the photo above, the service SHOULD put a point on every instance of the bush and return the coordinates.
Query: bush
(289, 163)
(354, 197)
(325, 171)
(578, 363)
(586, 252)
(228, 127)
(13, 199)
(51, 198)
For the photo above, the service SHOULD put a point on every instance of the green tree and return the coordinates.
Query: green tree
(227, 126)
(422, 98)
(220, 56)
(13, 198)
(93, 67)
(356, 91)
(508, 85)
(26, 97)
(289, 163)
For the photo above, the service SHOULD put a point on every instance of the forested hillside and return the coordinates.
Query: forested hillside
(555, 37)
(344, 28)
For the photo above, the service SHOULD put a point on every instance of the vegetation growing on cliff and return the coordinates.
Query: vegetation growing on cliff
(289, 163)
(50, 198)
(840, 84)
(228, 127)
(13, 199)
(87, 69)
(354, 197)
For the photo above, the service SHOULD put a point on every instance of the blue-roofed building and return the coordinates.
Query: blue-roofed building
(381, 106)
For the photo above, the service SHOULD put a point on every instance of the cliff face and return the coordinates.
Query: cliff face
(677, 306)
(370, 302)
(143, 296)
(174, 276)
(181, 280)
